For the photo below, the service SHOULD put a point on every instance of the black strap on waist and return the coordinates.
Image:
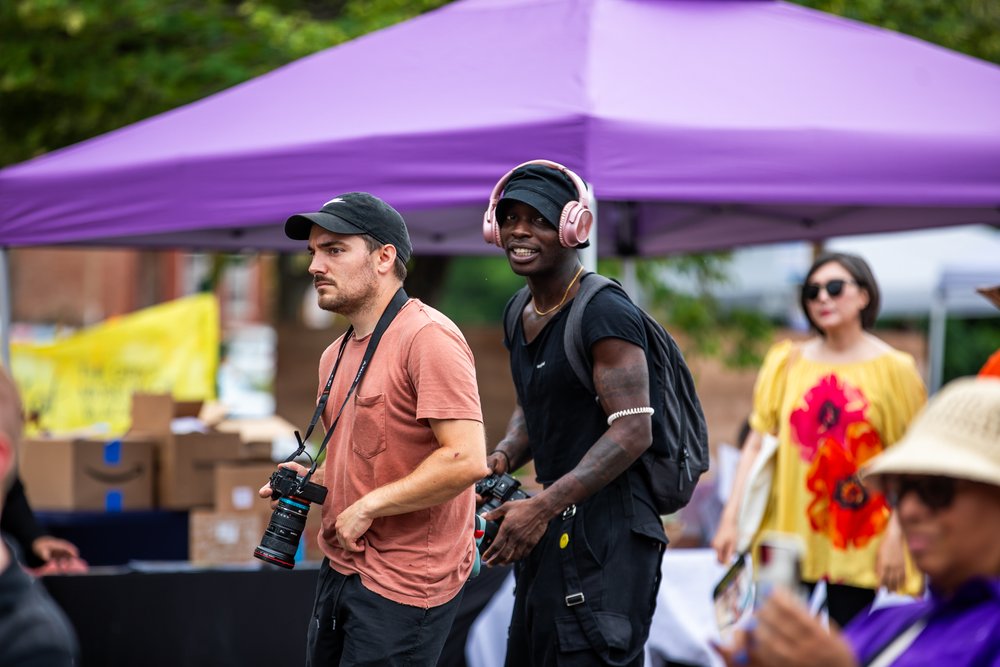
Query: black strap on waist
(575, 598)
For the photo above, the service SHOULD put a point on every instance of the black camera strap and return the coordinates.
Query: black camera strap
(390, 312)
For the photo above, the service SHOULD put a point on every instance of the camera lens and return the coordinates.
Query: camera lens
(490, 529)
(281, 537)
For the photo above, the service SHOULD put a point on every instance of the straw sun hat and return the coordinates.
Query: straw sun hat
(956, 435)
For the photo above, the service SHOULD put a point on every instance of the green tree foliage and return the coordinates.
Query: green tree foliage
(73, 69)
(968, 344)
(738, 336)
(967, 26)
(476, 289)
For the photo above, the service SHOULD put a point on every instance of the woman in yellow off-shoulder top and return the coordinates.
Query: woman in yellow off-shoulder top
(833, 401)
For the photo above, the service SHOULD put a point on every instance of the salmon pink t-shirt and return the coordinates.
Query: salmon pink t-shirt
(422, 369)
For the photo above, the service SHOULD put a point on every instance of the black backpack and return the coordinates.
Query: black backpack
(673, 467)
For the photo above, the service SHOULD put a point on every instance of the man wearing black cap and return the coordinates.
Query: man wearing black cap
(406, 445)
(588, 547)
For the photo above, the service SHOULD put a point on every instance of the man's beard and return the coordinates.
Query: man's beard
(352, 295)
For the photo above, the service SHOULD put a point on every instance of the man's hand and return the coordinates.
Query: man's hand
(351, 525)
(59, 556)
(300, 470)
(49, 548)
(523, 525)
(497, 463)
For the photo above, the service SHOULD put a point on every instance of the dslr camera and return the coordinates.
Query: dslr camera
(496, 489)
(281, 537)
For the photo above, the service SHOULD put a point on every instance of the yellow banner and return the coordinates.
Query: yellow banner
(85, 381)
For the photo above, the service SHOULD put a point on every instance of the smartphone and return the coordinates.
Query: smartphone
(733, 596)
(779, 564)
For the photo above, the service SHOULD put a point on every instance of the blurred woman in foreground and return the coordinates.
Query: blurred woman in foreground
(943, 478)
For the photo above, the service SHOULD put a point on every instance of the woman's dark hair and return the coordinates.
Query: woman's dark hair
(862, 275)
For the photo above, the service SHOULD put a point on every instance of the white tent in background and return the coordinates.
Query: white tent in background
(955, 286)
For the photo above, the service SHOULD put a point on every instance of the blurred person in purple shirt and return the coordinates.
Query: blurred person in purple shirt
(943, 478)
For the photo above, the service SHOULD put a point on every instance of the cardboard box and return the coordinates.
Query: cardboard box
(257, 451)
(185, 467)
(224, 537)
(153, 409)
(217, 538)
(236, 487)
(259, 434)
(237, 484)
(152, 413)
(185, 461)
(88, 474)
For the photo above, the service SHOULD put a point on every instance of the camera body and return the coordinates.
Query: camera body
(286, 483)
(496, 489)
(281, 537)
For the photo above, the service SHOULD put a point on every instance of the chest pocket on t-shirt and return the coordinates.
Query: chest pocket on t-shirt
(368, 438)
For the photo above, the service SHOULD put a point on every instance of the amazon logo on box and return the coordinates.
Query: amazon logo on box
(89, 474)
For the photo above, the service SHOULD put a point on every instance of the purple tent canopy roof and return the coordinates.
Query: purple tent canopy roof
(701, 123)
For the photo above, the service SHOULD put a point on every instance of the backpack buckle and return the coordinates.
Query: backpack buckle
(574, 599)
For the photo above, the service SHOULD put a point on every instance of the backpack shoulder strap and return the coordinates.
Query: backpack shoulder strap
(515, 306)
(577, 355)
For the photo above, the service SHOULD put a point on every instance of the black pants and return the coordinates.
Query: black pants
(476, 594)
(353, 627)
(617, 556)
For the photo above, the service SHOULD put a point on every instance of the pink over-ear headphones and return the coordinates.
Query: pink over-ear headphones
(574, 223)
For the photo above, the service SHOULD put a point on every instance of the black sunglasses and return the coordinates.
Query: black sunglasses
(834, 288)
(934, 491)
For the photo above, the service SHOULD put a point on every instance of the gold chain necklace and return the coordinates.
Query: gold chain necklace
(543, 313)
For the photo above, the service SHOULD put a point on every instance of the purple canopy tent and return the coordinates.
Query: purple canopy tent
(702, 124)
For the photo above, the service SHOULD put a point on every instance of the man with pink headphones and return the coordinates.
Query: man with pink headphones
(587, 548)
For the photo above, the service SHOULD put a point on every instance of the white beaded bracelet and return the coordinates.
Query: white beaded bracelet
(629, 411)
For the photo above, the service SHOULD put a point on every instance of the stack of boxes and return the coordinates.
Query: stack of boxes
(184, 461)
(229, 531)
(213, 471)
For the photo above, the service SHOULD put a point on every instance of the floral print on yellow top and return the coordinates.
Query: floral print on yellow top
(830, 419)
(833, 436)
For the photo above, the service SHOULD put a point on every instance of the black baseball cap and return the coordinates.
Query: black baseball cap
(548, 190)
(355, 213)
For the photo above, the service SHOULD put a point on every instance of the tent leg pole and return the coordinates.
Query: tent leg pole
(588, 255)
(935, 342)
(630, 279)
